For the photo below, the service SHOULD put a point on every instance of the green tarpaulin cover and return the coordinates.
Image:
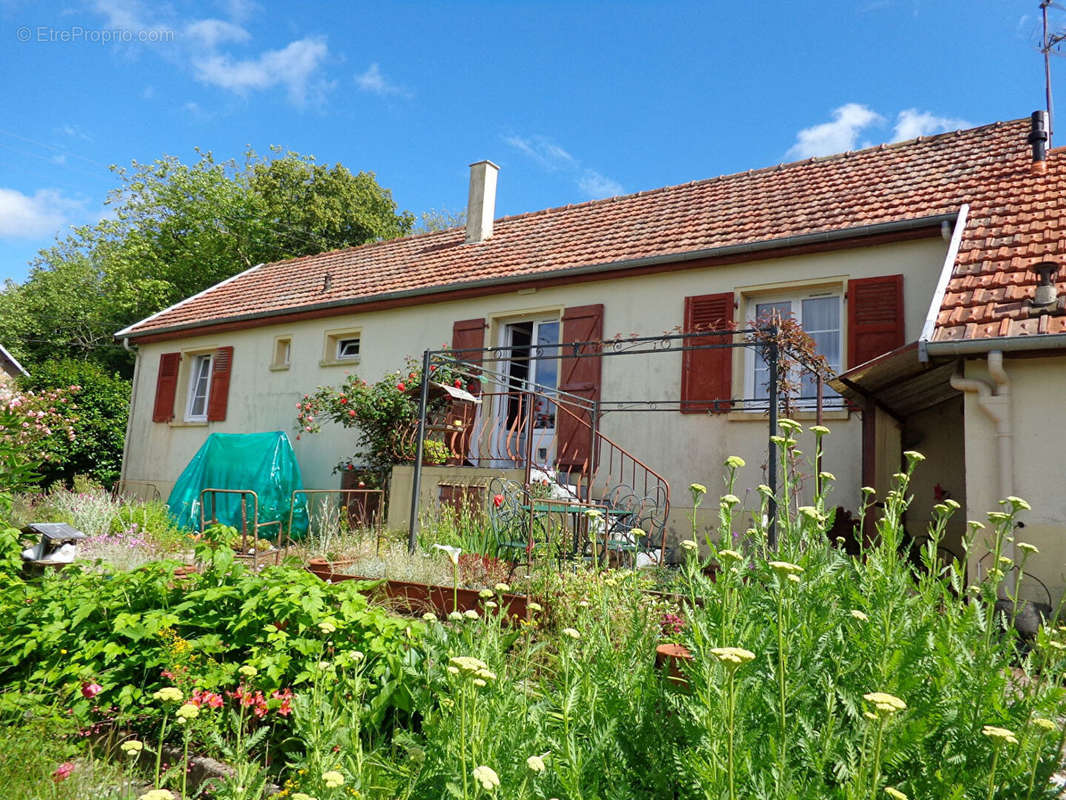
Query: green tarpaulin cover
(262, 462)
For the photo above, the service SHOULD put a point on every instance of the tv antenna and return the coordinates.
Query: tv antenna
(1049, 42)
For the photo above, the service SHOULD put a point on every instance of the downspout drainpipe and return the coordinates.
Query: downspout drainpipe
(996, 405)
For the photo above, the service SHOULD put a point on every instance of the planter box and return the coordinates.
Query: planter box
(418, 598)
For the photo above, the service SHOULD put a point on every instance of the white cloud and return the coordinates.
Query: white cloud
(549, 155)
(207, 46)
(596, 185)
(293, 67)
(911, 123)
(45, 212)
(553, 158)
(837, 136)
(209, 33)
(375, 82)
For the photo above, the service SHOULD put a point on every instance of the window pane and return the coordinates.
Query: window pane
(546, 372)
(347, 348)
(765, 313)
(821, 321)
(201, 376)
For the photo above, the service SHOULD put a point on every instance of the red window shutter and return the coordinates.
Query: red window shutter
(467, 334)
(875, 317)
(221, 365)
(166, 387)
(707, 375)
(581, 377)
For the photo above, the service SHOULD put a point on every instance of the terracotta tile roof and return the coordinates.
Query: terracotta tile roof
(1017, 219)
(1014, 219)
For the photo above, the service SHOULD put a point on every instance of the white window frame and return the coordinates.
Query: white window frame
(795, 297)
(195, 360)
(339, 355)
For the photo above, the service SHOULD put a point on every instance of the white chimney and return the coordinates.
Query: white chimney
(481, 204)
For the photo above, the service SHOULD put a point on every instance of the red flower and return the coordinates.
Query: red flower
(90, 690)
(63, 771)
(362, 485)
(344, 401)
(432, 367)
(458, 383)
(412, 376)
(351, 413)
(400, 387)
(168, 674)
(350, 467)
(497, 500)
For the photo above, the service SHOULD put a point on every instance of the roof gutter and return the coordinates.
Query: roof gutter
(946, 270)
(1008, 344)
(763, 246)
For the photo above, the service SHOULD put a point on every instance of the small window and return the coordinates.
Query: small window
(199, 388)
(282, 353)
(347, 349)
(342, 348)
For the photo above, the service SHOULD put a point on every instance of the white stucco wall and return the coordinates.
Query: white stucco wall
(685, 448)
(1037, 389)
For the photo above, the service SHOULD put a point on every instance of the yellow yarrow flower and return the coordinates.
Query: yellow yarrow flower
(884, 702)
(536, 763)
(783, 568)
(1043, 724)
(168, 694)
(734, 656)
(859, 615)
(999, 734)
(730, 555)
(487, 777)
(332, 779)
(572, 633)
(327, 627)
(188, 711)
(735, 462)
(248, 671)
(895, 793)
(131, 747)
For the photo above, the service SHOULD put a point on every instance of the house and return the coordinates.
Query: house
(902, 261)
(10, 368)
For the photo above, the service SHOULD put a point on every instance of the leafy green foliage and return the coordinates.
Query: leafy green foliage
(99, 425)
(123, 629)
(385, 414)
(176, 229)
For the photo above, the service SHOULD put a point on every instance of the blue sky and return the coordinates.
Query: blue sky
(572, 100)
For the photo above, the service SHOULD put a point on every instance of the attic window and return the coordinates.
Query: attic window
(342, 347)
(347, 349)
(282, 353)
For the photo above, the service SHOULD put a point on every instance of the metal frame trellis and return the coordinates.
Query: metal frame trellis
(637, 345)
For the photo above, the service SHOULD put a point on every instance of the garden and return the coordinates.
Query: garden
(163, 665)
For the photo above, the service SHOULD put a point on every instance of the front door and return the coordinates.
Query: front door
(529, 374)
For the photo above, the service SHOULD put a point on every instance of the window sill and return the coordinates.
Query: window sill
(279, 367)
(346, 362)
(188, 424)
(829, 415)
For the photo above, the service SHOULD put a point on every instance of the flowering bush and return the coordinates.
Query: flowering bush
(27, 419)
(385, 413)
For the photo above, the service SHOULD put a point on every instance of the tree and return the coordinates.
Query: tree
(176, 229)
(440, 220)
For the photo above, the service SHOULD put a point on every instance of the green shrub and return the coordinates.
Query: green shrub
(99, 425)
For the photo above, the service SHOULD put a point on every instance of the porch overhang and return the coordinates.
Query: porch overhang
(898, 381)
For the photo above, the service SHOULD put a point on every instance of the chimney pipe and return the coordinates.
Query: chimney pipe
(481, 202)
(1038, 138)
(1046, 292)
